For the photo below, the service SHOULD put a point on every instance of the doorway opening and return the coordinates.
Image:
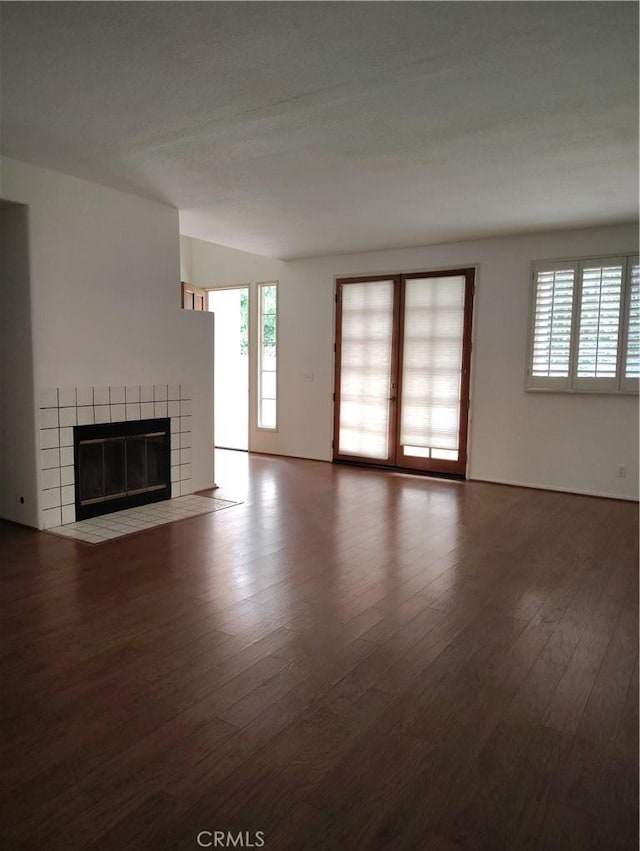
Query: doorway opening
(231, 367)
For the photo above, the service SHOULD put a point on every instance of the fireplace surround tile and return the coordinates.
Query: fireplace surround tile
(51, 517)
(102, 413)
(49, 458)
(49, 418)
(85, 415)
(63, 407)
(49, 438)
(68, 416)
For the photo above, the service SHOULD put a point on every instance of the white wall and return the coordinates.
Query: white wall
(558, 441)
(105, 295)
(18, 477)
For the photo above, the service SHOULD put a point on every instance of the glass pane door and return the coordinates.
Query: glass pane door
(403, 352)
(432, 373)
(365, 367)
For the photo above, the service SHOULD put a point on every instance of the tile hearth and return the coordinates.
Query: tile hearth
(119, 523)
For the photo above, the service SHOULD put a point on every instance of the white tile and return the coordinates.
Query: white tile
(146, 393)
(133, 411)
(159, 392)
(185, 456)
(185, 440)
(175, 489)
(84, 395)
(51, 517)
(185, 423)
(146, 410)
(49, 458)
(185, 391)
(68, 514)
(102, 413)
(67, 397)
(185, 472)
(175, 456)
(49, 397)
(186, 487)
(50, 498)
(85, 415)
(68, 417)
(173, 392)
(67, 476)
(160, 409)
(175, 473)
(66, 437)
(175, 425)
(51, 478)
(117, 395)
(185, 408)
(132, 394)
(100, 395)
(49, 438)
(68, 495)
(173, 409)
(66, 456)
(48, 418)
(117, 413)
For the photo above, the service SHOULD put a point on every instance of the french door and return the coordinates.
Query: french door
(403, 354)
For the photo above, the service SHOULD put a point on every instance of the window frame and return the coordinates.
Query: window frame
(572, 383)
(260, 286)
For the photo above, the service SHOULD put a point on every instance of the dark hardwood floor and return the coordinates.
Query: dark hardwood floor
(349, 660)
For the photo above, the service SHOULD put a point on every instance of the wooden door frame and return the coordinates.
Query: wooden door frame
(427, 465)
(393, 404)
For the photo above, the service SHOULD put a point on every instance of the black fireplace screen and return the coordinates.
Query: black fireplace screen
(120, 465)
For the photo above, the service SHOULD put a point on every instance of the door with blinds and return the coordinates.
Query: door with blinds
(403, 351)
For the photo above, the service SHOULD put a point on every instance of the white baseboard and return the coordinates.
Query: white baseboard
(539, 487)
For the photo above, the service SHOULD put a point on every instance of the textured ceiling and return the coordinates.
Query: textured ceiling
(294, 129)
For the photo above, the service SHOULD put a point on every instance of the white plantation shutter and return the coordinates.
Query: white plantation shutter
(432, 363)
(550, 358)
(599, 326)
(365, 369)
(631, 372)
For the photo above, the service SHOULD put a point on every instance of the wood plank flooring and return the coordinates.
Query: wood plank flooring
(349, 660)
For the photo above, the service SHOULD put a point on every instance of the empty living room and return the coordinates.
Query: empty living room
(319, 366)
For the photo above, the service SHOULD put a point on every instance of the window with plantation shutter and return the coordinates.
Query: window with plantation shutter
(632, 342)
(585, 323)
(553, 312)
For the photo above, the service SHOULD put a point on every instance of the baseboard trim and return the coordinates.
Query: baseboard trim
(538, 487)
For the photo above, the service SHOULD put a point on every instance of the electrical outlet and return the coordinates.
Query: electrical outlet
(622, 471)
(308, 376)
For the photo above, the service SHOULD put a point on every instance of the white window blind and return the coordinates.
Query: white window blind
(585, 323)
(365, 369)
(432, 363)
(552, 324)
